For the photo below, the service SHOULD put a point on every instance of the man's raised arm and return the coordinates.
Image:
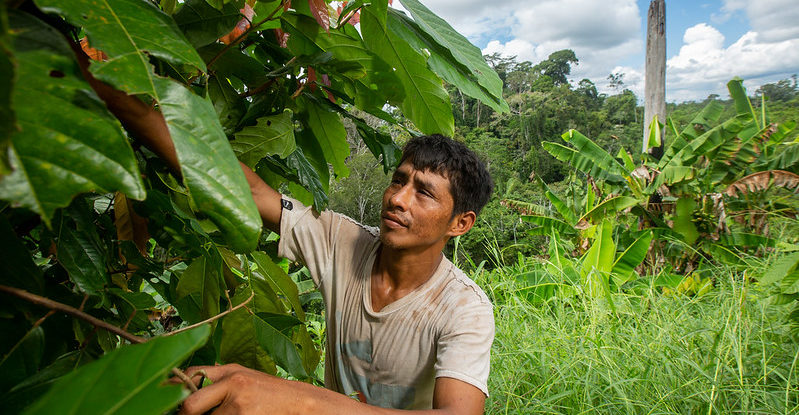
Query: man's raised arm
(149, 127)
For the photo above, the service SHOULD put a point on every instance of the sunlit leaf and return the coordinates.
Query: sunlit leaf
(203, 24)
(198, 290)
(426, 102)
(279, 281)
(272, 135)
(67, 143)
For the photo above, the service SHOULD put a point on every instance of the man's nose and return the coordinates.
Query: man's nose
(401, 198)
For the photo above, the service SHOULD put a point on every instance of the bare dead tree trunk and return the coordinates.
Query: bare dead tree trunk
(655, 80)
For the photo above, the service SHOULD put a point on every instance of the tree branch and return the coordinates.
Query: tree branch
(243, 36)
(214, 318)
(72, 311)
(55, 305)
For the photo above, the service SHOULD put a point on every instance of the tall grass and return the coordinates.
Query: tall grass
(727, 351)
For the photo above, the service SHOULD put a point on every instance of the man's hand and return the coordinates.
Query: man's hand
(238, 390)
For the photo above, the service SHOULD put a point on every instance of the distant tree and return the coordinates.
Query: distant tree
(359, 194)
(616, 81)
(557, 66)
(783, 90)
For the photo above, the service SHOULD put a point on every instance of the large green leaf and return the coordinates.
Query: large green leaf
(203, 24)
(198, 290)
(329, 132)
(426, 102)
(278, 343)
(631, 257)
(609, 208)
(239, 343)
(80, 252)
(547, 225)
(698, 125)
(210, 168)
(780, 268)
(565, 211)
(229, 106)
(272, 135)
(684, 221)
(128, 31)
(68, 143)
(129, 380)
(279, 281)
(455, 55)
(598, 261)
(591, 156)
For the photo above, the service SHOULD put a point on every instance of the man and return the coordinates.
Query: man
(405, 328)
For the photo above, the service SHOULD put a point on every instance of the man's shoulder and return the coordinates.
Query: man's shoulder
(463, 289)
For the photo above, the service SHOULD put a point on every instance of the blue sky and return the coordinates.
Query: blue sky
(708, 42)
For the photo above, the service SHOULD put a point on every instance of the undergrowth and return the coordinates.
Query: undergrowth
(727, 351)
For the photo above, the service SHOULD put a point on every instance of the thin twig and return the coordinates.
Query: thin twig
(243, 35)
(259, 89)
(55, 305)
(214, 318)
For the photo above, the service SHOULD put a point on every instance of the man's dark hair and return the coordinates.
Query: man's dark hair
(469, 182)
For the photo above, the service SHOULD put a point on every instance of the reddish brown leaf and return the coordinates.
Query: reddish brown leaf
(92, 53)
(241, 26)
(282, 38)
(312, 78)
(130, 226)
(320, 13)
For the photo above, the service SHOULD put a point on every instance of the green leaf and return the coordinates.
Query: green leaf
(33, 387)
(598, 261)
(592, 157)
(229, 106)
(655, 130)
(609, 208)
(308, 177)
(68, 143)
(547, 224)
(279, 281)
(426, 102)
(203, 24)
(698, 125)
(22, 360)
(627, 159)
(239, 344)
(683, 220)
(278, 344)
(234, 63)
(17, 269)
(81, 253)
(125, 30)
(210, 169)
(456, 52)
(128, 31)
(272, 135)
(565, 211)
(329, 132)
(780, 268)
(625, 264)
(129, 380)
(198, 290)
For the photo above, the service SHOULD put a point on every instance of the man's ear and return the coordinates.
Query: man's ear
(461, 223)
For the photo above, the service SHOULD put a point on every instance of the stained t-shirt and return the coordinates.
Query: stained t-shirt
(444, 328)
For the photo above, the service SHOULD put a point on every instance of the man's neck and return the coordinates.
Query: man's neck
(398, 272)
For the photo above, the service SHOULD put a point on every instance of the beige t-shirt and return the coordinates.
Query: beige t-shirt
(444, 328)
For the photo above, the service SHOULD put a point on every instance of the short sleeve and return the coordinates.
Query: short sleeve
(464, 349)
(306, 237)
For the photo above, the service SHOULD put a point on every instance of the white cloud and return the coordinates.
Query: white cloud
(600, 32)
(704, 65)
(773, 20)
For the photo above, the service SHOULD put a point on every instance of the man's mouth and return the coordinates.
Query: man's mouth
(393, 221)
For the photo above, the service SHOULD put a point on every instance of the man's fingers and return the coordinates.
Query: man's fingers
(204, 400)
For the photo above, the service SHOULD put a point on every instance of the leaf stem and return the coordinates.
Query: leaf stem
(243, 35)
(214, 318)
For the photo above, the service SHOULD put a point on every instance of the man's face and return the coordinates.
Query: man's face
(417, 209)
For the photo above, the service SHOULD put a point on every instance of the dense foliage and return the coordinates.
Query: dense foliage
(98, 228)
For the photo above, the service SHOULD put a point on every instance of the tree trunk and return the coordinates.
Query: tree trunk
(655, 78)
